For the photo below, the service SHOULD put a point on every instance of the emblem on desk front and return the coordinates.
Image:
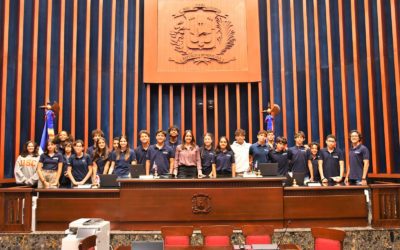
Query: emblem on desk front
(201, 204)
(201, 34)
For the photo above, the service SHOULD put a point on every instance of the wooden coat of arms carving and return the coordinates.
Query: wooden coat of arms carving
(201, 41)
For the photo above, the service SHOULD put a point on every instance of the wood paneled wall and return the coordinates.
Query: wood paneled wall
(332, 66)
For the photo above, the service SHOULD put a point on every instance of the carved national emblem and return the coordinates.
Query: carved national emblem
(201, 204)
(201, 34)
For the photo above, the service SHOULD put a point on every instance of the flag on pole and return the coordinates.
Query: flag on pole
(48, 129)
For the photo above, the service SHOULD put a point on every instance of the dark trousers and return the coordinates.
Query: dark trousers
(187, 171)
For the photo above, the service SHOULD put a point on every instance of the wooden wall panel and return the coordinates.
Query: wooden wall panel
(394, 9)
(387, 119)
(241, 104)
(19, 76)
(343, 74)
(330, 64)
(371, 84)
(5, 24)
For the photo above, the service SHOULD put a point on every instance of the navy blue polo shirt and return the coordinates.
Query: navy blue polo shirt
(299, 159)
(173, 145)
(161, 157)
(141, 154)
(259, 153)
(207, 159)
(101, 163)
(90, 151)
(271, 147)
(122, 165)
(314, 161)
(80, 166)
(64, 180)
(282, 159)
(224, 161)
(51, 162)
(357, 157)
(331, 160)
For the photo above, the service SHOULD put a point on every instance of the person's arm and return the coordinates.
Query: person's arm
(321, 171)
(133, 157)
(341, 165)
(365, 172)
(112, 165)
(311, 169)
(213, 170)
(171, 165)
(250, 159)
(198, 164)
(233, 169)
(147, 167)
(94, 172)
(88, 175)
(59, 171)
(19, 176)
(176, 162)
(71, 177)
(40, 174)
(106, 167)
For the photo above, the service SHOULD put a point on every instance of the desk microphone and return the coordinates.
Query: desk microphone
(284, 232)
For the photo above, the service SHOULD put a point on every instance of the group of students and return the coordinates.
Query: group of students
(65, 163)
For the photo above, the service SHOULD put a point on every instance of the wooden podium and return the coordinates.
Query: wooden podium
(149, 204)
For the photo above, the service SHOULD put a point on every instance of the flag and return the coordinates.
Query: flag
(48, 130)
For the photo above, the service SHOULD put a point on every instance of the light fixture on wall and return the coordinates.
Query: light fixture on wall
(210, 104)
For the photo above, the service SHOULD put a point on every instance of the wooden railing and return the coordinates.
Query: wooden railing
(385, 205)
(15, 209)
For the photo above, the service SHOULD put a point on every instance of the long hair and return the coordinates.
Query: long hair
(203, 147)
(25, 152)
(127, 151)
(100, 153)
(46, 151)
(193, 142)
(228, 145)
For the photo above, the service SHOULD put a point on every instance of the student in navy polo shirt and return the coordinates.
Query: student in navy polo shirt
(258, 152)
(313, 161)
(141, 150)
(299, 155)
(65, 182)
(160, 157)
(101, 159)
(225, 159)
(207, 155)
(331, 162)
(115, 144)
(173, 140)
(280, 155)
(96, 134)
(359, 160)
(122, 159)
(270, 140)
(50, 166)
(61, 139)
(79, 165)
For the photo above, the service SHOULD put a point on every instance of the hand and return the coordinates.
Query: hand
(46, 184)
(55, 184)
(201, 176)
(346, 181)
(312, 179)
(66, 173)
(364, 182)
(211, 175)
(324, 180)
(338, 179)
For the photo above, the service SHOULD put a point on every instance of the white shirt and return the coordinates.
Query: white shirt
(241, 155)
